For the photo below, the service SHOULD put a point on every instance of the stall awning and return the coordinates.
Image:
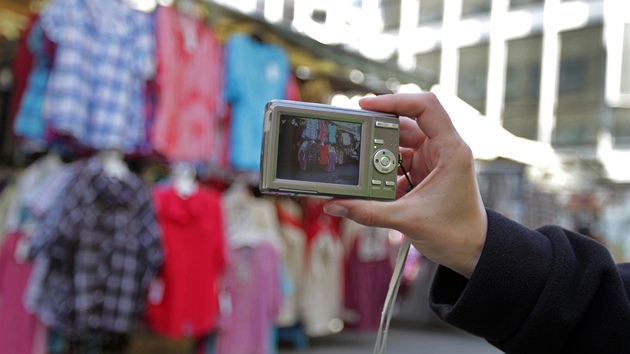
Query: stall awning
(333, 62)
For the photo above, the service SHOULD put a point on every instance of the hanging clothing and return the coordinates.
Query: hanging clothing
(323, 131)
(332, 133)
(40, 201)
(190, 88)
(32, 177)
(345, 139)
(29, 121)
(22, 65)
(254, 275)
(250, 220)
(332, 159)
(323, 278)
(103, 246)
(256, 73)
(323, 154)
(368, 273)
(294, 241)
(184, 298)
(7, 198)
(323, 285)
(254, 289)
(105, 52)
(311, 129)
(17, 326)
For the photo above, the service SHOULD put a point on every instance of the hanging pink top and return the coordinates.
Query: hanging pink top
(17, 326)
(189, 79)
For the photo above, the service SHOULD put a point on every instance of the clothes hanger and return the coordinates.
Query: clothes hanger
(113, 164)
(184, 179)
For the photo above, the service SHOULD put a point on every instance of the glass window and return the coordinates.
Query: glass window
(473, 76)
(580, 87)
(520, 3)
(474, 7)
(621, 128)
(429, 62)
(391, 14)
(430, 11)
(625, 61)
(522, 87)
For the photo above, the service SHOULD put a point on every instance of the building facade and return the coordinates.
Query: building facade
(553, 71)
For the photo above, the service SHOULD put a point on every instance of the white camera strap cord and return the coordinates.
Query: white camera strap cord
(388, 308)
(394, 284)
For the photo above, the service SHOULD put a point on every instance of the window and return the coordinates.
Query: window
(520, 3)
(522, 87)
(573, 75)
(580, 88)
(475, 7)
(429, 62)
(391, 14)
(430, 11)
(473, 76)
(621, 128)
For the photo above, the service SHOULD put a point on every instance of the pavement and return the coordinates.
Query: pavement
(401, 339)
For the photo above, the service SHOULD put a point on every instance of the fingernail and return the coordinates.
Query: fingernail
(335, 210)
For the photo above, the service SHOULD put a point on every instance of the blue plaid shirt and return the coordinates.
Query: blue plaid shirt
(105, 52)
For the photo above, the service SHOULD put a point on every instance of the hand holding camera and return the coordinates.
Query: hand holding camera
(443, 215)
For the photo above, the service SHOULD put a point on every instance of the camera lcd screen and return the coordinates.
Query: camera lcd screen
(319, 150)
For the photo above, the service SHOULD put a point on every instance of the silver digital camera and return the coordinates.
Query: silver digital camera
(311, 149)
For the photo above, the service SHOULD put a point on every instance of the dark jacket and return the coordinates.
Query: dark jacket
(539, 291)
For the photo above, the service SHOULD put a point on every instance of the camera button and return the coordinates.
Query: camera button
(386, 125)
(379, 141)
(376, 182)
(390, 183)
(384, 161)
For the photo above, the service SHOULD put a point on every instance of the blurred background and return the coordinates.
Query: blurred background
(540, 89)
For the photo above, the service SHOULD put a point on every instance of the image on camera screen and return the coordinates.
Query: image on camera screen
(318, 150)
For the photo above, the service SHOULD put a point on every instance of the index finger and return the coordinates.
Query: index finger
(424, 107)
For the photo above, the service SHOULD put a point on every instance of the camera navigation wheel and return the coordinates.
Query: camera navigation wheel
(384, 161)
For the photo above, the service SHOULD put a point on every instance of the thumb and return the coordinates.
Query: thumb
(365, 212)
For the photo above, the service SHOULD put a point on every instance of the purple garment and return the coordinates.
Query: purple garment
(253, 284)
(332, 159)
(367, 282)
(17, 326)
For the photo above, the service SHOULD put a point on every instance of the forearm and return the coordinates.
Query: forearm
(536, 291)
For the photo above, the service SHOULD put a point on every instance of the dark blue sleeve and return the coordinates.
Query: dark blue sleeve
(539, 291)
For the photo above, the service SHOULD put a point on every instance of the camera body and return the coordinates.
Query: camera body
(312, 149)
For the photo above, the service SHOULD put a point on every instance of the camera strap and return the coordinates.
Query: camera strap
(394, 284)
(388, 308)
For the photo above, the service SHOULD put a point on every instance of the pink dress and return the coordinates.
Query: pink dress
(254, 289)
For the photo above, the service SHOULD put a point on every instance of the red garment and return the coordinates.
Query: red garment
(17, 326)
(323, 154)
(292, 90)
(316, 221)
(183, 301)
(22, 65)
